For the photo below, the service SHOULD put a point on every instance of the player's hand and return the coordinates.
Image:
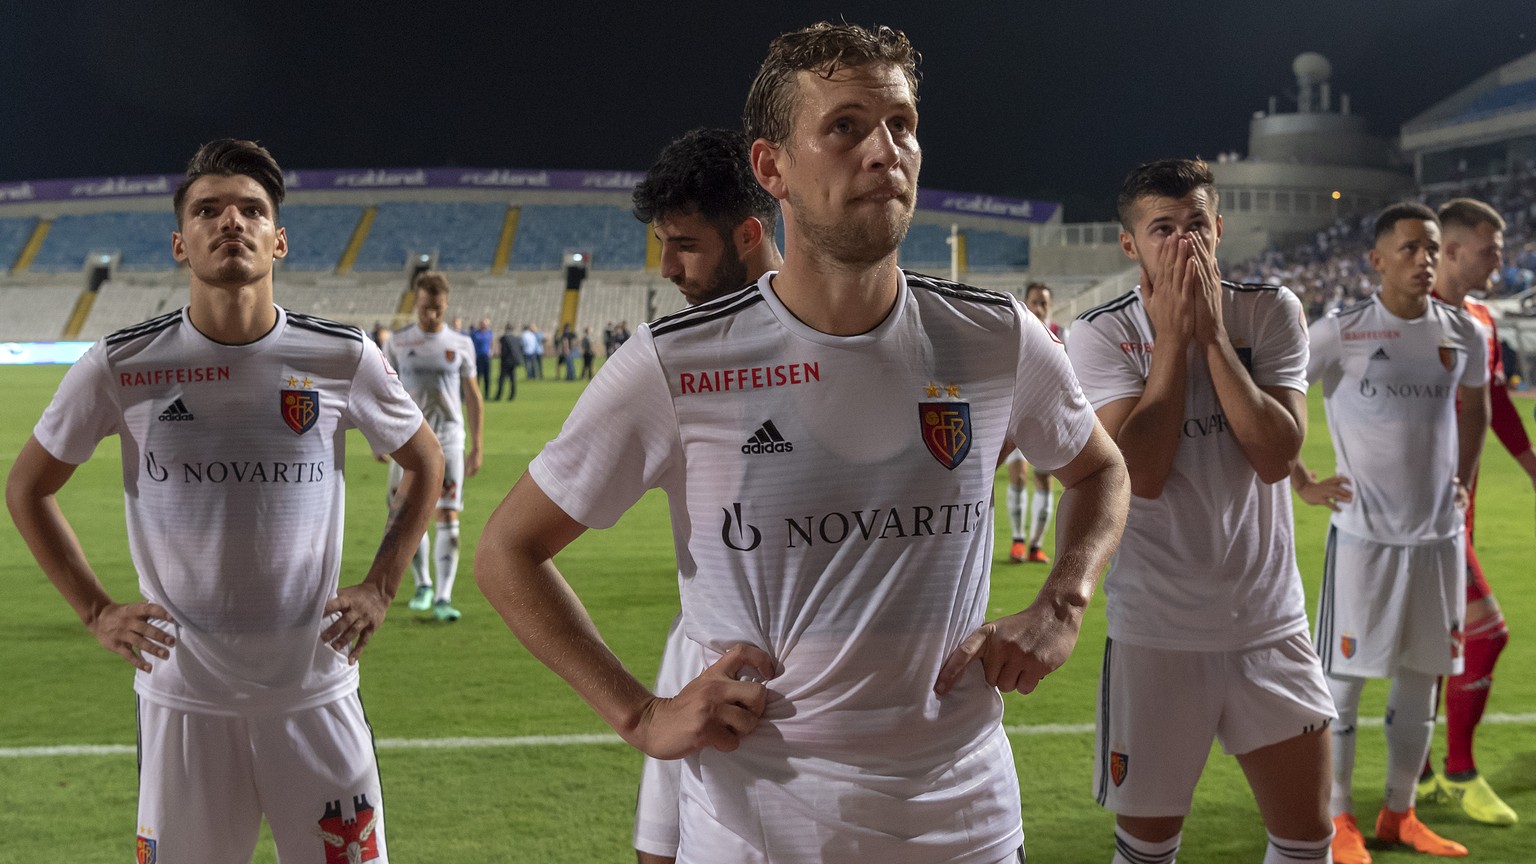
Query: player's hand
(126, 630)
(1017, 651)
(1463, 494)
(1203, 282)
(472, 462)
(715, 709)
(1168, 302)
(362, 608)
(1328, 493)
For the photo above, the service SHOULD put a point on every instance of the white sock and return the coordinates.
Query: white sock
(420, 568)
(1346, 700)
(1040, 504)
(1410, 726)
(1015, 499)
(1282, 851)
(1129, 850)
(447, 555)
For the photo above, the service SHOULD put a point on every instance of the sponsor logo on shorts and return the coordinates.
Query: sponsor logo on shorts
(767, 439)
(300, 407)
(1119, 765)
(946, 428)
(176, 412)
(1347, 646)
(350, 841)
(144, 848)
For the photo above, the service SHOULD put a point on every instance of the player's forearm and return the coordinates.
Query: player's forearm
(1472, 431)
(1506, 423)
(1090, 519)
(57, 549)
(1149, 437)
(1268, 433)
(541, 610)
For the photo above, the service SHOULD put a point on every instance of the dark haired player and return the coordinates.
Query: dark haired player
(1202, 384)
(716, 226)
(231, 414)
(847, 707)
(1393, 599)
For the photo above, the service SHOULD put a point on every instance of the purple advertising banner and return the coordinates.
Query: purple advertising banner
(151, 185)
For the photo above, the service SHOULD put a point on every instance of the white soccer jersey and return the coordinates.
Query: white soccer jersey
(1210, 565)
(1389, 388)
(831, 503)
(233, 467)
(433, 368)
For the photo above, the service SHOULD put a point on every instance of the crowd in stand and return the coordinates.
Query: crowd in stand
(1333, 269)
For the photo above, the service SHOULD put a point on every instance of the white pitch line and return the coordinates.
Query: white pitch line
(601, 738)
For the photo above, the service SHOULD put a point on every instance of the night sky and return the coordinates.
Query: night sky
(1052, 101)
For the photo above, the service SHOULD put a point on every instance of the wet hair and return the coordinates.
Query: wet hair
(229, 157)
(1165, 178)
(1469, 213)
(822, 48)
(432, 282)
(1387, 219)
(708, 172)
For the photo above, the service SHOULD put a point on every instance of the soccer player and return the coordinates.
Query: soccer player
(1202, 384)
(231, 413)
(484, 339)
(1392, 602)
(437, 367)
(847, 707)
(1037, 298)
(1473, 236)
(716, 227)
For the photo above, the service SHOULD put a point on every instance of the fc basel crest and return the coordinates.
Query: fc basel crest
(1119, 764)
(449, 355)
(144, 852)
(300, 409)
(946, 428)
(1348, 644)
(1448, 358)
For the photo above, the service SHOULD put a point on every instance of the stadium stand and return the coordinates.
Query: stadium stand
(14, 233)
(141, 238)
(119, 305)
(325, 230)
(546, 231)
(462, 233)
(36, 312)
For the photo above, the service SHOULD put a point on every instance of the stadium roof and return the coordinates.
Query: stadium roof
(1497, 106)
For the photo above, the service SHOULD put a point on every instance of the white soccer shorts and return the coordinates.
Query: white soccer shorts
(1383, 606)
(205, 781)
(1160, 709)
(656, 820)
(453, 480)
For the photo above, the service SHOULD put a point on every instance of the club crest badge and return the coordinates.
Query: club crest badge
(301, 408)
(1448, 358)
(946, 428)
(350, 841)
(1119, 764)
(144, 850)
(1347, 645)
(449, 355)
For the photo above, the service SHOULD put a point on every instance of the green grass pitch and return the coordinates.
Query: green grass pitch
(573, 802)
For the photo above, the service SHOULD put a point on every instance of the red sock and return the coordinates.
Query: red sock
(1466, 695)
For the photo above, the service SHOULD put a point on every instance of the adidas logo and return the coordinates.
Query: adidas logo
(767, 440)
(176, 411)
(1381, 354)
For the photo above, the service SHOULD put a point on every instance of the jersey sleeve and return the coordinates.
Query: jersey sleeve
(84, 410)
(1476, 373)
(1281, 358)
(1323, 354)
(1051, 418)
(620, 439)
(377, 404)
(1106, 372)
